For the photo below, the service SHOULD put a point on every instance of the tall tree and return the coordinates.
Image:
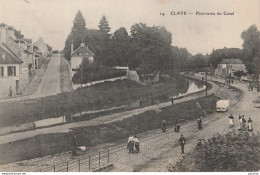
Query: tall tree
(104, 27)
(251, 46)
(79, 24)
(78, 32)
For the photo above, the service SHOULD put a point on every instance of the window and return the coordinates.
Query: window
(11, 71)
(1, 71)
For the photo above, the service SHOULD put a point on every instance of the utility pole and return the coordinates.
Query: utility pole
(81, 72)
(258, 72)
(206, 82)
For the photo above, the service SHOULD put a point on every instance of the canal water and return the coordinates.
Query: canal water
(183, 87)
(180, 86)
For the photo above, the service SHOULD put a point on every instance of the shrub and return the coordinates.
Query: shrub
(96, 72)
(230, 152)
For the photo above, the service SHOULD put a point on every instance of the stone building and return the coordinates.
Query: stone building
(42, 47)
(229, 66)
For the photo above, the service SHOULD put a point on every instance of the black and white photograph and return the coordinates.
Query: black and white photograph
(129, 86)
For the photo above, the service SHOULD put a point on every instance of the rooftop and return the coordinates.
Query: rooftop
(82, 50)
(7, 57)
(232, 61)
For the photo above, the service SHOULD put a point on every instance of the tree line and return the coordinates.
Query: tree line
(146, 47)
(149, 47)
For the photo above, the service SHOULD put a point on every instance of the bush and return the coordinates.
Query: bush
(230, 152)
(96, 72)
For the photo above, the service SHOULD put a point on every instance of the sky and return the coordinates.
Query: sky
(52, 19)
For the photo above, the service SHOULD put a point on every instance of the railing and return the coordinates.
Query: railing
(84, 163)
(92, 161)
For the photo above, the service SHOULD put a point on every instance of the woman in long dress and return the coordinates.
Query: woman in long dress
(243, 123)
(136, 142)
(231, 121)
(250, 127)
(240, 122)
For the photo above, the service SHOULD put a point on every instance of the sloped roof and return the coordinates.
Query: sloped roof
(28, 40)
(232, 61)
(82, 50)
(10, 58)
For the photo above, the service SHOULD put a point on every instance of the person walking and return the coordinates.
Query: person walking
(178, 126)
(74, 146)
(130, 144)
(163, 126)
(199, 121)
(182, 142)
(10, 92)
(172, 99)
(240, 122)
(136, 142)
(243, 123)
(231, 121)
(250, 127)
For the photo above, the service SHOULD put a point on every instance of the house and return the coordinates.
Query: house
(230, 66)
(10, 72)
(22, 49)
(42, 47)
(77, 56)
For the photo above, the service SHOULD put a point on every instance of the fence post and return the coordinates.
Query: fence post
(53, 168)
(67, 166)
(89, 162)
(79, 164)
(107, 155)
(98, 159)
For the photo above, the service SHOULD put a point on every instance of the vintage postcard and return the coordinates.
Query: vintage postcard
(129, 86)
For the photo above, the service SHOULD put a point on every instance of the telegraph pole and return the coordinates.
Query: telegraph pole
(81, 72)
(258, 72)
(206, 82)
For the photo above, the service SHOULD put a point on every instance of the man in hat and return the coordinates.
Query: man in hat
(74, 146)
(182, 142)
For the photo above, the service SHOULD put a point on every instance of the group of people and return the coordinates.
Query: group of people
(242, 123)
(133, 144)
(250, 87)
(176, 128)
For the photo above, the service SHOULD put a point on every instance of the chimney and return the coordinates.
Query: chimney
(3, 34)
(11, 34)
(82, 45)
(72, 47)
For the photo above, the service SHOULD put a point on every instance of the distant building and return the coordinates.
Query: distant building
(10, 72)
(229, 66)
(77, 56)
(42, 47)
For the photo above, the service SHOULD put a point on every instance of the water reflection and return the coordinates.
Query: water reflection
(193, 87)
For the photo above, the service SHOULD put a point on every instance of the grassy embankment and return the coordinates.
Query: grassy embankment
(90, 136)
(230, 152)
(100, 96)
